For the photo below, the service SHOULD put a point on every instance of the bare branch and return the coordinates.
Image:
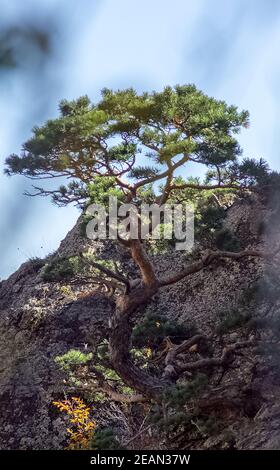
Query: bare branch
(215, 361)
(160, 176)
(118, 276)
(173, 368)
(203, 187)
(171, 356)
(214, 255)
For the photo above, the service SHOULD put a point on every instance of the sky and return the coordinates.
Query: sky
(229, 49)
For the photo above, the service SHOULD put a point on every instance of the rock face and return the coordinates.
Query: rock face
(40, 320)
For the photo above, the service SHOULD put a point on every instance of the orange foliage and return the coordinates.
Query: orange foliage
(81, 426)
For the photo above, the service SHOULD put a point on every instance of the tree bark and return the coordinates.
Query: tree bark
(120, 343)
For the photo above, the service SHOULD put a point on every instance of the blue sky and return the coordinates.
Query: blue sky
(229, 49)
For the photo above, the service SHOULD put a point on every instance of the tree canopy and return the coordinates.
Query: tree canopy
(130, 140)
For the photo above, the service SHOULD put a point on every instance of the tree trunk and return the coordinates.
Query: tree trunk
(120, 338)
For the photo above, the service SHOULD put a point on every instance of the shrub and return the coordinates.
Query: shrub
(81, 426)
(61, 268)
(72, 359)
(86, 218)
(174, 400)
(67, 291)
(104, 439)
(154, 328)
(209, 218)
(37, 263)
(176, 396)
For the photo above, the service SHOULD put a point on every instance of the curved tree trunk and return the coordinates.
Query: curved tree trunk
(120, 338)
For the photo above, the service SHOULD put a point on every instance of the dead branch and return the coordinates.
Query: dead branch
(138, 434)
(175, 368)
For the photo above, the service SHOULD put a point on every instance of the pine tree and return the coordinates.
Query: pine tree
(126, 145)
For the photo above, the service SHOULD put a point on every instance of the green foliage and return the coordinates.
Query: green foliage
(37, 263)
(154, 328)
(67, 291)
(70, 362)
(207, 425)
(181, 419)
(254, 171)
(208, 220)
(161, 244)
(60, 269)
(249, 172)
(86, 218)
(100, 189)
(102, 364)
(136, 135)
(143, 172)
(208, 215)
(174, 401)
(177, 395)
(104, 439)
(108, 373)
(72, 359)
(226, 240)
(83, 265)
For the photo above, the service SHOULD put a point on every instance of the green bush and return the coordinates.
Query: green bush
(37, 263)
(175, 399)
(154, 328)
(86, 218)
(61, 269)
(104, 439)
(208, 219)
(177, 395)
(72, 358)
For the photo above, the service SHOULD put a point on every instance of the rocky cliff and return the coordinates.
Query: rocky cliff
(40, 320)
